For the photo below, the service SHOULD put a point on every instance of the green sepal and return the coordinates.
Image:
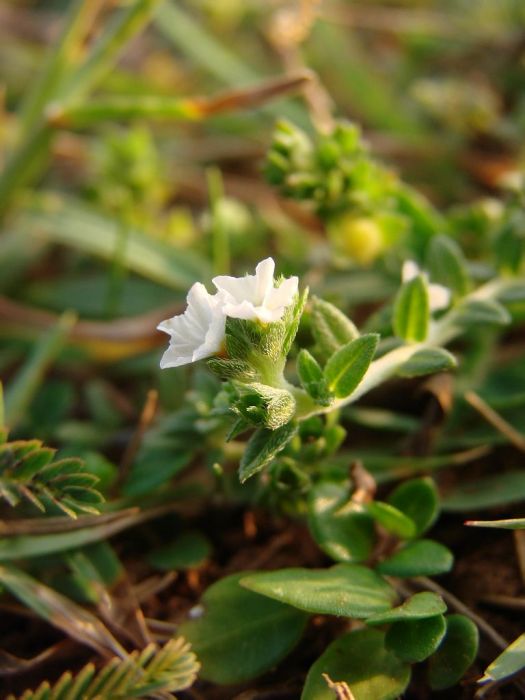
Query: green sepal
(412, 311)
(264, 405)
(292, 320)
(231, 369)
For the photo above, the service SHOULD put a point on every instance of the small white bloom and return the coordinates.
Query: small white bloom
(256, 296)
(198, 332)
(438, 295)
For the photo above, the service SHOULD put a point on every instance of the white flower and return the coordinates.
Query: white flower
(198, 332)
(438, 295)
(256, 296)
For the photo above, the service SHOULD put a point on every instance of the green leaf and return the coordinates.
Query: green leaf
(21, 391)
(510, 524)
(166, 670)
(348, 590)
(446, 264)
(415, 640)
(486, 492)
(481, 311)
(392, 519)
(341, 531)
(188, 551)
(456, 653)
(427, 361)
(360, 660)
(59, 611)
(418, 499)
(312, 378)
(346, 367)
(263, 447)
(412, 311)
(67, 221)
(419, 558)
(238, 635)
(509, 662)
(330, 327)
(417, 607)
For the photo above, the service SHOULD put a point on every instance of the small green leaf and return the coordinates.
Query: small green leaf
(341, 531)
(427, 361)
(263, 447)
(312, 378)
(345, 368)
(415, 640)
(238, 635)
(446, 264)
(348, 590)
(392, 519)
(481, 311)
(419, 500)
(419, 558)
(360, 660)
(330, 327)
(486, 492)
(188, 551)
(417, 607)
(456, 653)
(509, 662)
(412, 311)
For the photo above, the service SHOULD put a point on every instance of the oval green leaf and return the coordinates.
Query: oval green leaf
(360, 660)
(392, 519)
(456, 653)
(419, 558)
(412, 311)
(415, 640)
(240, 634)
(342, 532)
(417, 607)
(348, 590)
(346, 367)
(427, 361)
(418, 499)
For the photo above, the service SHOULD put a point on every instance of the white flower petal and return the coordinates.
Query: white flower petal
(283, 295)
(410, 270)
(264, 276)
(255, 296)
(439, 297)
(198, 332)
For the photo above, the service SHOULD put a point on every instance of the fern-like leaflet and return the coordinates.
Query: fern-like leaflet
(29, 472)
(142, 674)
